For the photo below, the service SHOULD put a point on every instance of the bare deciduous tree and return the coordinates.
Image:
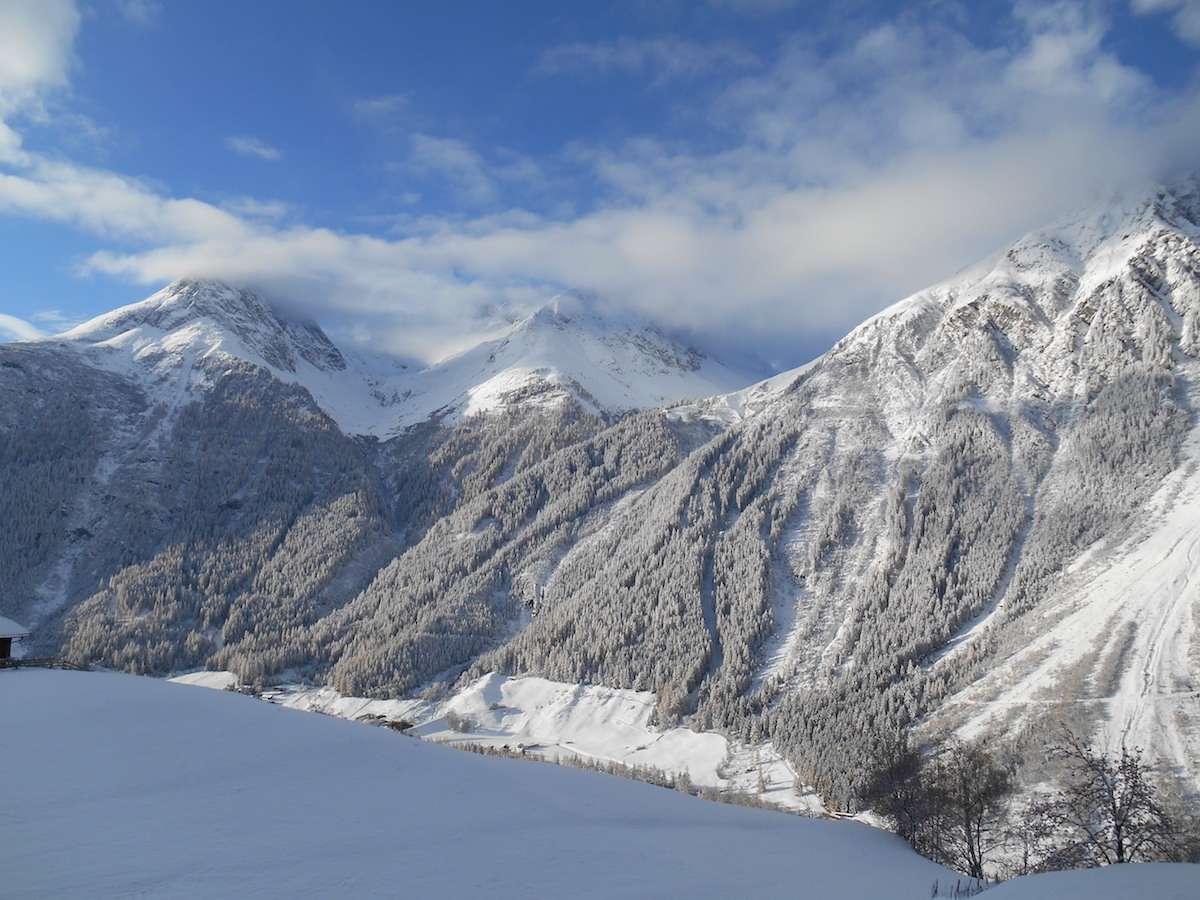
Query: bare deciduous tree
(1109, 810)
(949, 806)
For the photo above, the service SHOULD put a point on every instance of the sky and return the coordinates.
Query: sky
(758, 176)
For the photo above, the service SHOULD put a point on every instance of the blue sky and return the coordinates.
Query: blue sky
(760, 175)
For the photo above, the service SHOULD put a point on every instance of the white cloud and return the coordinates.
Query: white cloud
(252, 146)
(1064, 58)
(140, 12)
(13, 328)
(57, 320)
(1185, 15)
(755, 7)
(253, 208)
(383, 107)
(667, 58)
(454, 161)
(35, 49)
(109, 205)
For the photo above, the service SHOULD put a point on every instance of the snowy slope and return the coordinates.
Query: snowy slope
(1028, 338)
(1123, 628)
(120, 786)
(1116, 636)
(551, 719)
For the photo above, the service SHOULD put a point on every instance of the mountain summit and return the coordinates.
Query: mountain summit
(199, 318)
(609, 364)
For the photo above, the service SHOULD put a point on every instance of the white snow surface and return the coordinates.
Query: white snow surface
(611, 364)
(119, 786)
(9, 628)
(1133, 881)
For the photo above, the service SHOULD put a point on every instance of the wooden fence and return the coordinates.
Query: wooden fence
(42, 663)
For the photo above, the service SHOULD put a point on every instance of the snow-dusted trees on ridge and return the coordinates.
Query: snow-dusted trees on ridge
(56, 419)
(231, 534)
(459, 591)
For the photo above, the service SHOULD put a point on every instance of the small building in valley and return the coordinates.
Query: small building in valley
(10, 631)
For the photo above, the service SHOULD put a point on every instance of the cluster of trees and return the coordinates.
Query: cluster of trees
(462, 589)
(676, 781)
(957, 806)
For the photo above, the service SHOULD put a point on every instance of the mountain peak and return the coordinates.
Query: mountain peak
(206, 316)
(568, 348)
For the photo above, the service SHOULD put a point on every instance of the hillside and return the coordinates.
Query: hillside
(971, 516)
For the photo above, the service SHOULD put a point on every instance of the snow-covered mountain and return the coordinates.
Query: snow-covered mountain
(861, 540)
(937, 526)
(201, 320)
(610, 365)
(202, 409)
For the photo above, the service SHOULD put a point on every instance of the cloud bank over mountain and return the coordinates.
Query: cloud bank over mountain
(791, 187)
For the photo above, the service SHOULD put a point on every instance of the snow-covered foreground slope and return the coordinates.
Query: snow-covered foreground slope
(117, 786)
(1159, 881)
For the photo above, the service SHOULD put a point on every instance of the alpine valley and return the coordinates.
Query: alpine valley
(976, 515)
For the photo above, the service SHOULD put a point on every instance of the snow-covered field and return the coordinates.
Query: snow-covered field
(118, 786)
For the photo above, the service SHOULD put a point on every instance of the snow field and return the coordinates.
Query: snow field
(115, 786)
(121, 786)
